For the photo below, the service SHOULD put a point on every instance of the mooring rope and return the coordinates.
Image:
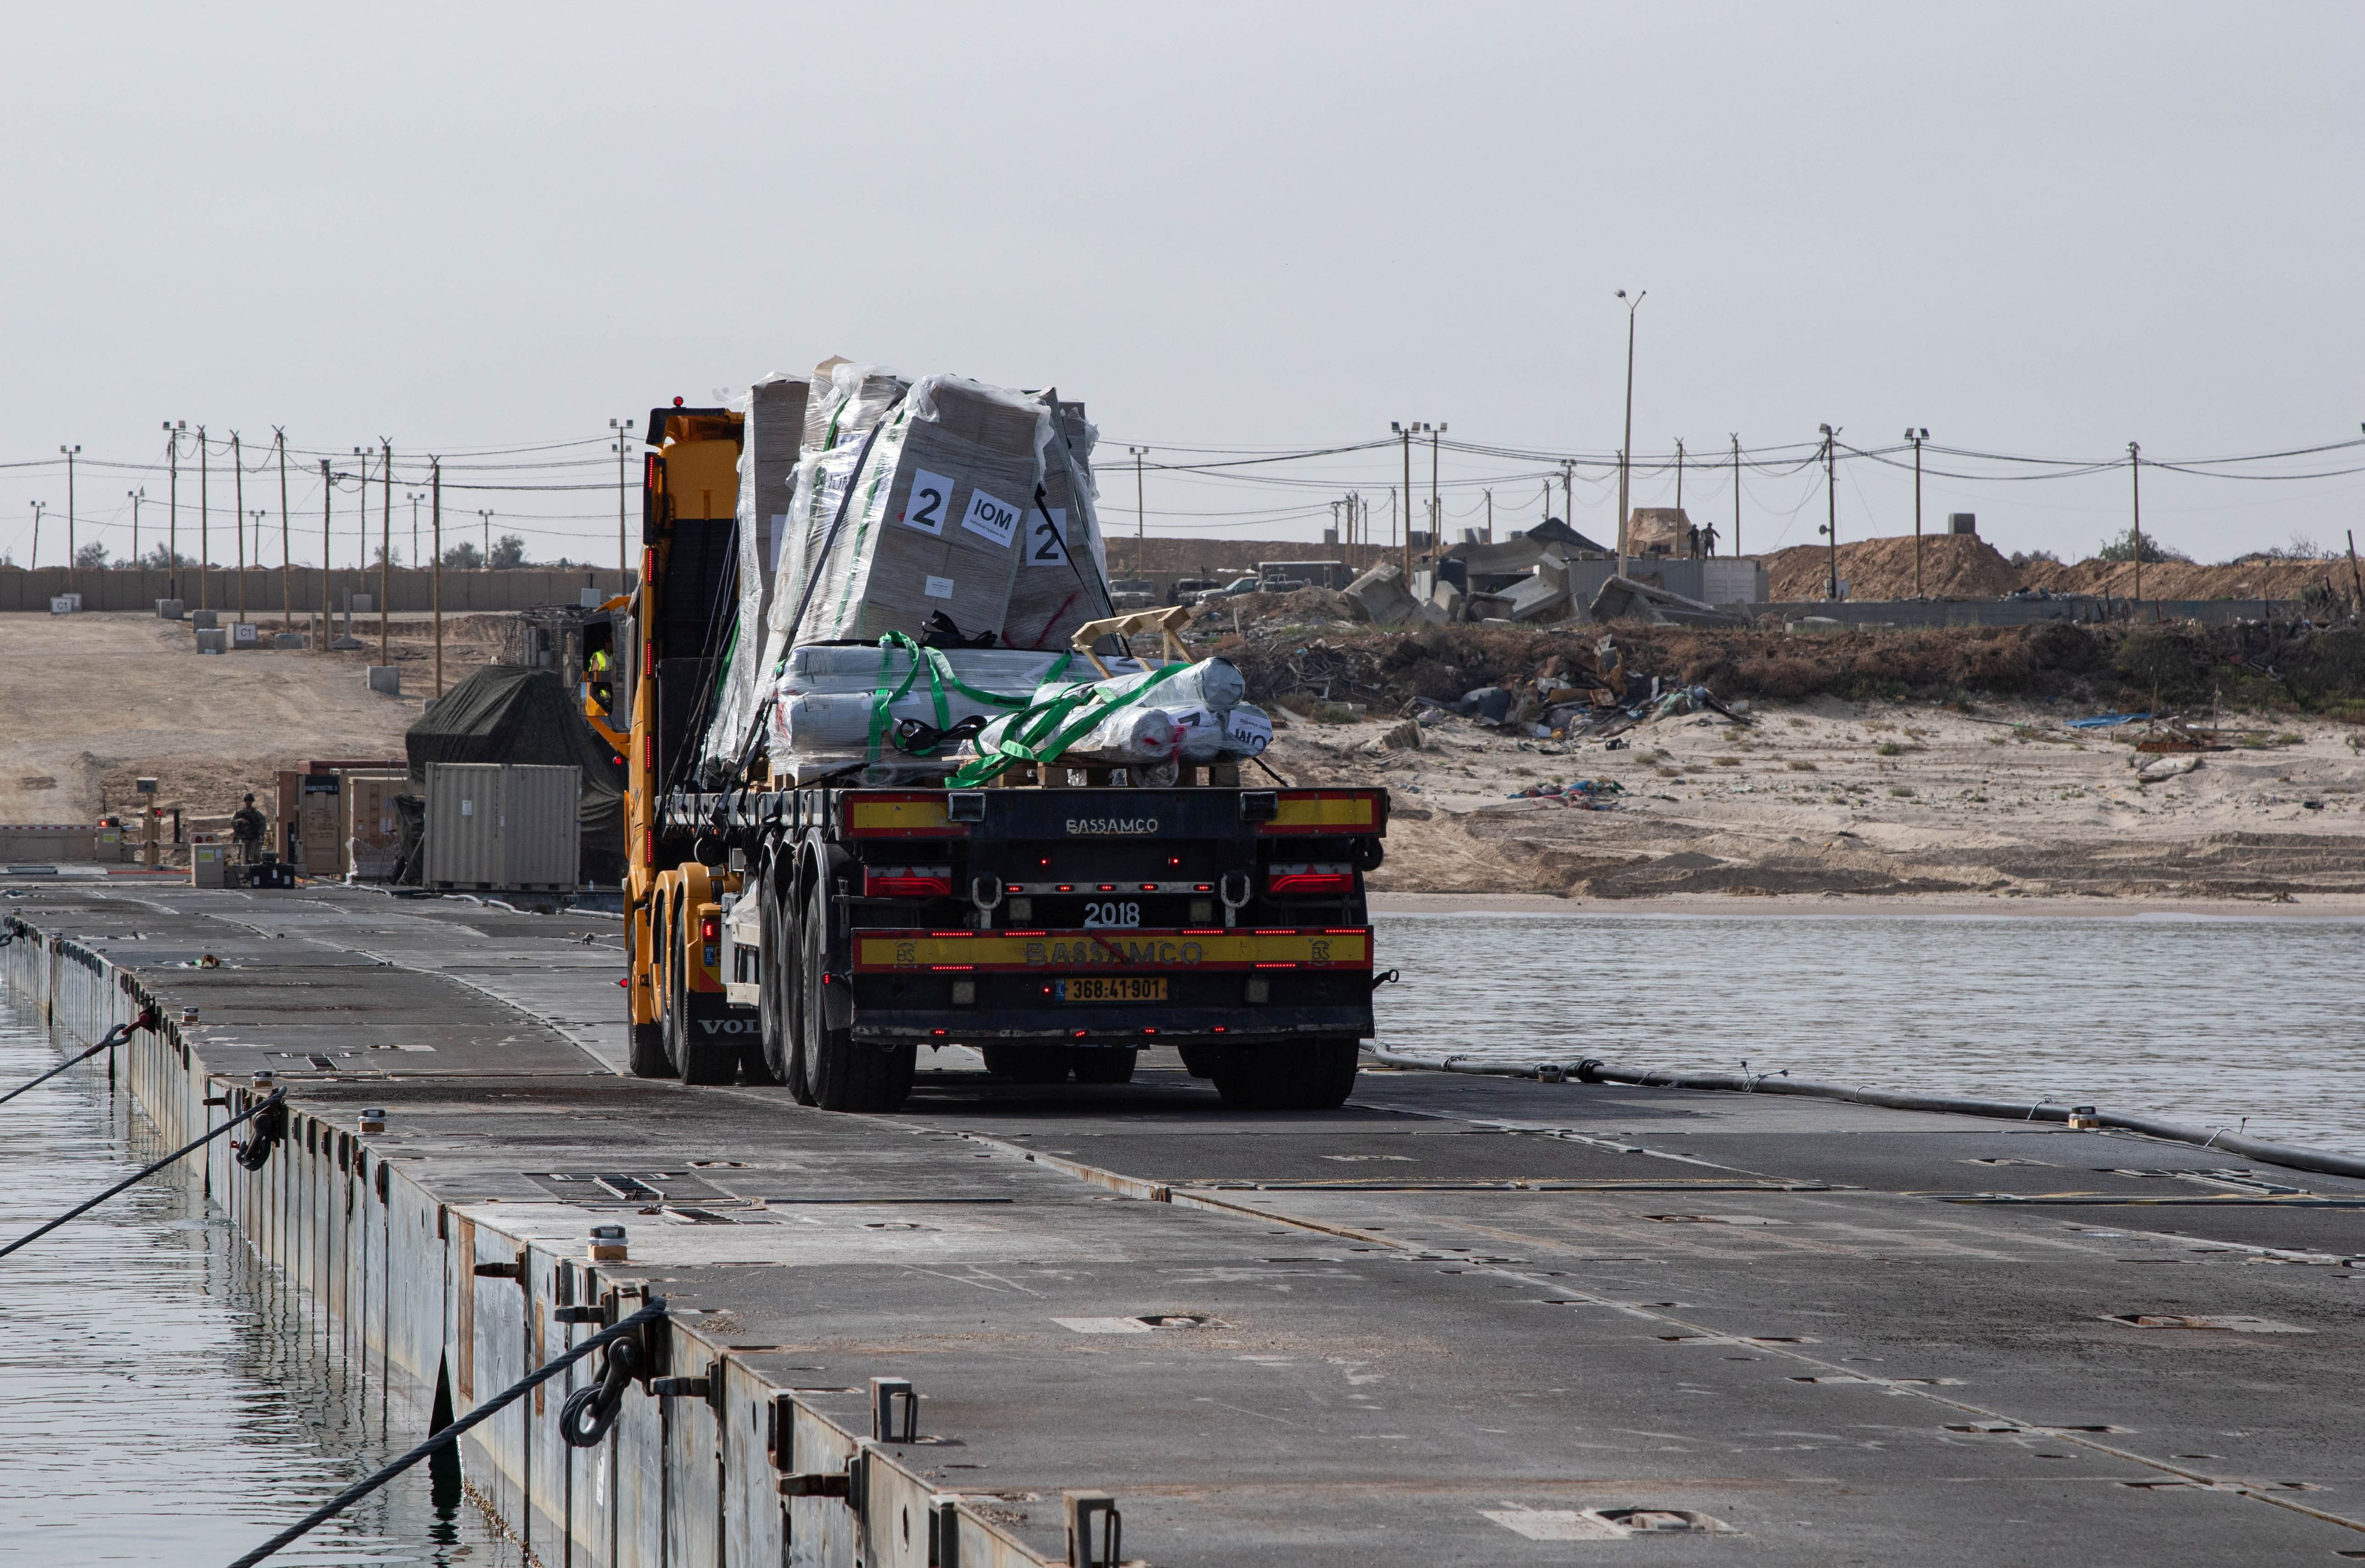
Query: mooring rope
(451, 1434)
(145, 1171)
(108, 1041)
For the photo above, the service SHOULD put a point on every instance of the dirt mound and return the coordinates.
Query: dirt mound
(1954, 566)
(1305, 607)
(2174, 579)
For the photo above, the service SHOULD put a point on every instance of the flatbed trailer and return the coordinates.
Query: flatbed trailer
(1055, 920)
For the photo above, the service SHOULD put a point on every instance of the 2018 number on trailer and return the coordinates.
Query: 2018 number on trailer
(820, 936)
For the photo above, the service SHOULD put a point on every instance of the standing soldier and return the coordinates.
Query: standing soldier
(246, 826)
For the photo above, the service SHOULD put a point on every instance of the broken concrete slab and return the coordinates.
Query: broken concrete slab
(1621, 598)
(1381, 594)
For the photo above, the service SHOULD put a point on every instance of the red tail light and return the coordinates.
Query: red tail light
(710, 929)
(907, 881)
(1316, 878)
(648, 846)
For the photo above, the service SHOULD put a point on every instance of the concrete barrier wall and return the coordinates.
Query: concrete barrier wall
(407, 590)
(677, 1481)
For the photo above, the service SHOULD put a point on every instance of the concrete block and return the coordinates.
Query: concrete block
(212, 640)
(244, 634)
(1380, 593)
(386, 678)
(168, 609)
(205, 620)
(287, 640)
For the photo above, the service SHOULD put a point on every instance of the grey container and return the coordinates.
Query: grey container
(493, 825)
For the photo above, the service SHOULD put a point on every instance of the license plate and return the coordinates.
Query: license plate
(1113, 988)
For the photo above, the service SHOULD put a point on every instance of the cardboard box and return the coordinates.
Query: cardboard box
(367, 822)
(934, 524)
(1062, 577)
(309, 824)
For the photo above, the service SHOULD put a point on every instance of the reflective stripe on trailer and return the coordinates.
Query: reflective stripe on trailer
(1019, 952)
(1324, 810)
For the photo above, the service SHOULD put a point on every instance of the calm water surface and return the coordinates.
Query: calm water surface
(2201, 1019)
(164, 1396)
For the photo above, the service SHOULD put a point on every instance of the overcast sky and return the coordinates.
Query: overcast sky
(2042, 228)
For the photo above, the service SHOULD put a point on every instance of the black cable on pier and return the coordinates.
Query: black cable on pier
(108, 1041)
(625, 1330)
(145, 1171)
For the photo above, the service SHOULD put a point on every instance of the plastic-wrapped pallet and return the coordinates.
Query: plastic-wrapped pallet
(825, 702)
(931, 524)
(770, 443)
(844, 400)
(1062, 578)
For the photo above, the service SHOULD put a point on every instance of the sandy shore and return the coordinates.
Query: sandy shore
(1879, 800)
(1829, 905)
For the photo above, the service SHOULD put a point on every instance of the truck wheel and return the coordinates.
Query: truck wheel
(1316, 1077)
(694, 1039)
(644, 1052)
(1029, 1064)
(1105, 1064)
(845, 1076)
(649, 1053)
(765, 1059)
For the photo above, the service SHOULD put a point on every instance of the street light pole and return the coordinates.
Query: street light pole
(286, 542)
(1626, 447)
(238, 486)
(135, 498)
(1436, 507)
(486, 564)
(205, 521)
(173, 538)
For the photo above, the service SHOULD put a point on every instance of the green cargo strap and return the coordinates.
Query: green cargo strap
(1024, 740)
(940, 676)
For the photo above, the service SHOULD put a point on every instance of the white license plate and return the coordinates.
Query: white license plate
(1113, 913)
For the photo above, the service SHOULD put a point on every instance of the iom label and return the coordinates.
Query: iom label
(937, 587)
(990, 519)
(931, 497)
(1047, 539)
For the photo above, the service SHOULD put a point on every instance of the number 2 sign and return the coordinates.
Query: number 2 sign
(1046, 540)
(931, 496)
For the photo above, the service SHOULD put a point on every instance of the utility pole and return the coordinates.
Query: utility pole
(360, 543)
(1490, 517)
(2134, 528)
(414, 498)
(238, 476)
(486, 564)
(1337, 538)
(1831, 529)
(1405, 433)
(1679, 481)
(287, 578)
(173, 539)
(328, 511)
(34, 560)
(1568, 498)
(622, 446)
(1436, 507)
(1627, 445)
(1917, 437)
(384, 544)
(1736, 492)
(1141, 516)
(435, 512)
(135, 498)
(204, 546)
(71, 453)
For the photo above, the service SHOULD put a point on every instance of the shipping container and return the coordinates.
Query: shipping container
(501, 825)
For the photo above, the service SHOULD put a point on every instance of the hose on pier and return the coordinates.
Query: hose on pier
(1592, 1069)
(147, 1019)
(625, 1331)
(257, 1109)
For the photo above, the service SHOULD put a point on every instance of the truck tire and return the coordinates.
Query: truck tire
(1316, 1077)
(843, 1075)
(700, 1054)
(1105, 1064)
(1029, 1064)
(645, 1053)
(765, 1059)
